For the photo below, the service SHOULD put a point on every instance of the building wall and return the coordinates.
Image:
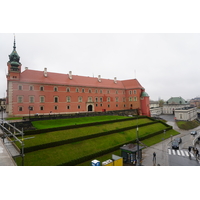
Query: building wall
(186, 114)
(145, 107)
(169, 109)
(109, 99)
(156, 111)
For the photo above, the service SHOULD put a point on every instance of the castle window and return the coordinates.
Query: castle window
(96, 105)
(20, 108)
(90, 91)
(41, 88)
(41, 99)
(30, 108)
(89, 99)
(116, 99)
(77, 90)
(83, 90)
(31, 99)
(68, 89)
(20, 87)
(101, 99)
(96, 91)
(116, 105)
(130, 99)
(108, 105)
(130, 92)
(116, 92)
(108, 99)
(135, 91)
(100, 91)
(68, 107)
(101, 105)
(68, 99)
(41, 107)
(79, 106)
(55, 107)
(124, 99)
(55, 99)
(135, 99)
(31, 88)
(108, 91)
(79, 99)
(55, 89)
(96, 99)
(20, 99)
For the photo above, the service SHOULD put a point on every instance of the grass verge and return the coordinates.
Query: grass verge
(187, 125)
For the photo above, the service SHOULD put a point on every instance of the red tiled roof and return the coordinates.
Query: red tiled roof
(33, 76)
(132, 83)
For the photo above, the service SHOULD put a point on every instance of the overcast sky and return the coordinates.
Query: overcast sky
(166, 65)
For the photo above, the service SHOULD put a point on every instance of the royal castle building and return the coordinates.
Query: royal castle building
(42, 92)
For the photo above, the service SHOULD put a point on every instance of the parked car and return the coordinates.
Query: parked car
(193, 132)
(179, 140)
(175, 144)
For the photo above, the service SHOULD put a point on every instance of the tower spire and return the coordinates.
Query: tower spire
(14, 47)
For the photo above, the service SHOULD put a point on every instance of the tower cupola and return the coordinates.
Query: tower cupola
(14, 59)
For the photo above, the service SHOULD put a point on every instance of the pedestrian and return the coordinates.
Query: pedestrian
(154, 157)
(189, 149)
(197, 153)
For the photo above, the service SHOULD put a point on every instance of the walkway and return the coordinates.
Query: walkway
(5, 156)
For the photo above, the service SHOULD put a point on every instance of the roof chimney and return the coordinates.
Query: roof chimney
(45, 72)
(99, 78)
(70, 74)
(26, 68)
(115, 79)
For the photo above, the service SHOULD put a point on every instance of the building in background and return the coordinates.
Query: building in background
(195, 102)
(2, 104)
(155, 108)
(32, 92)
(186, 114)
(174, 103)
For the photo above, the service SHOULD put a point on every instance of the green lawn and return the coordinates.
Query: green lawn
(65, 153)
(72, 121)
(187, 125)
(79, 132)
(149, 142)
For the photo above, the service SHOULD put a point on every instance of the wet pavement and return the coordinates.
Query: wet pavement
(5, 155)
(161, 149)
(7, 150)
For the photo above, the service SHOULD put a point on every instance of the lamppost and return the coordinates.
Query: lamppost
(29, 108)
(138, 149)
(2, 113)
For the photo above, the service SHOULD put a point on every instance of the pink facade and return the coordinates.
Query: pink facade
(46, 92)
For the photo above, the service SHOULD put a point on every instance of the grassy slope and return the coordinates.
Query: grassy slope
(71, 121)
(57, 155)
(187, 125)
(73, 133)
(151, 141)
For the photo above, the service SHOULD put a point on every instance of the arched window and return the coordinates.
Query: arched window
(55, 99)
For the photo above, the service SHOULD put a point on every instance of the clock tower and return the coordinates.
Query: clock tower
(14, 66)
